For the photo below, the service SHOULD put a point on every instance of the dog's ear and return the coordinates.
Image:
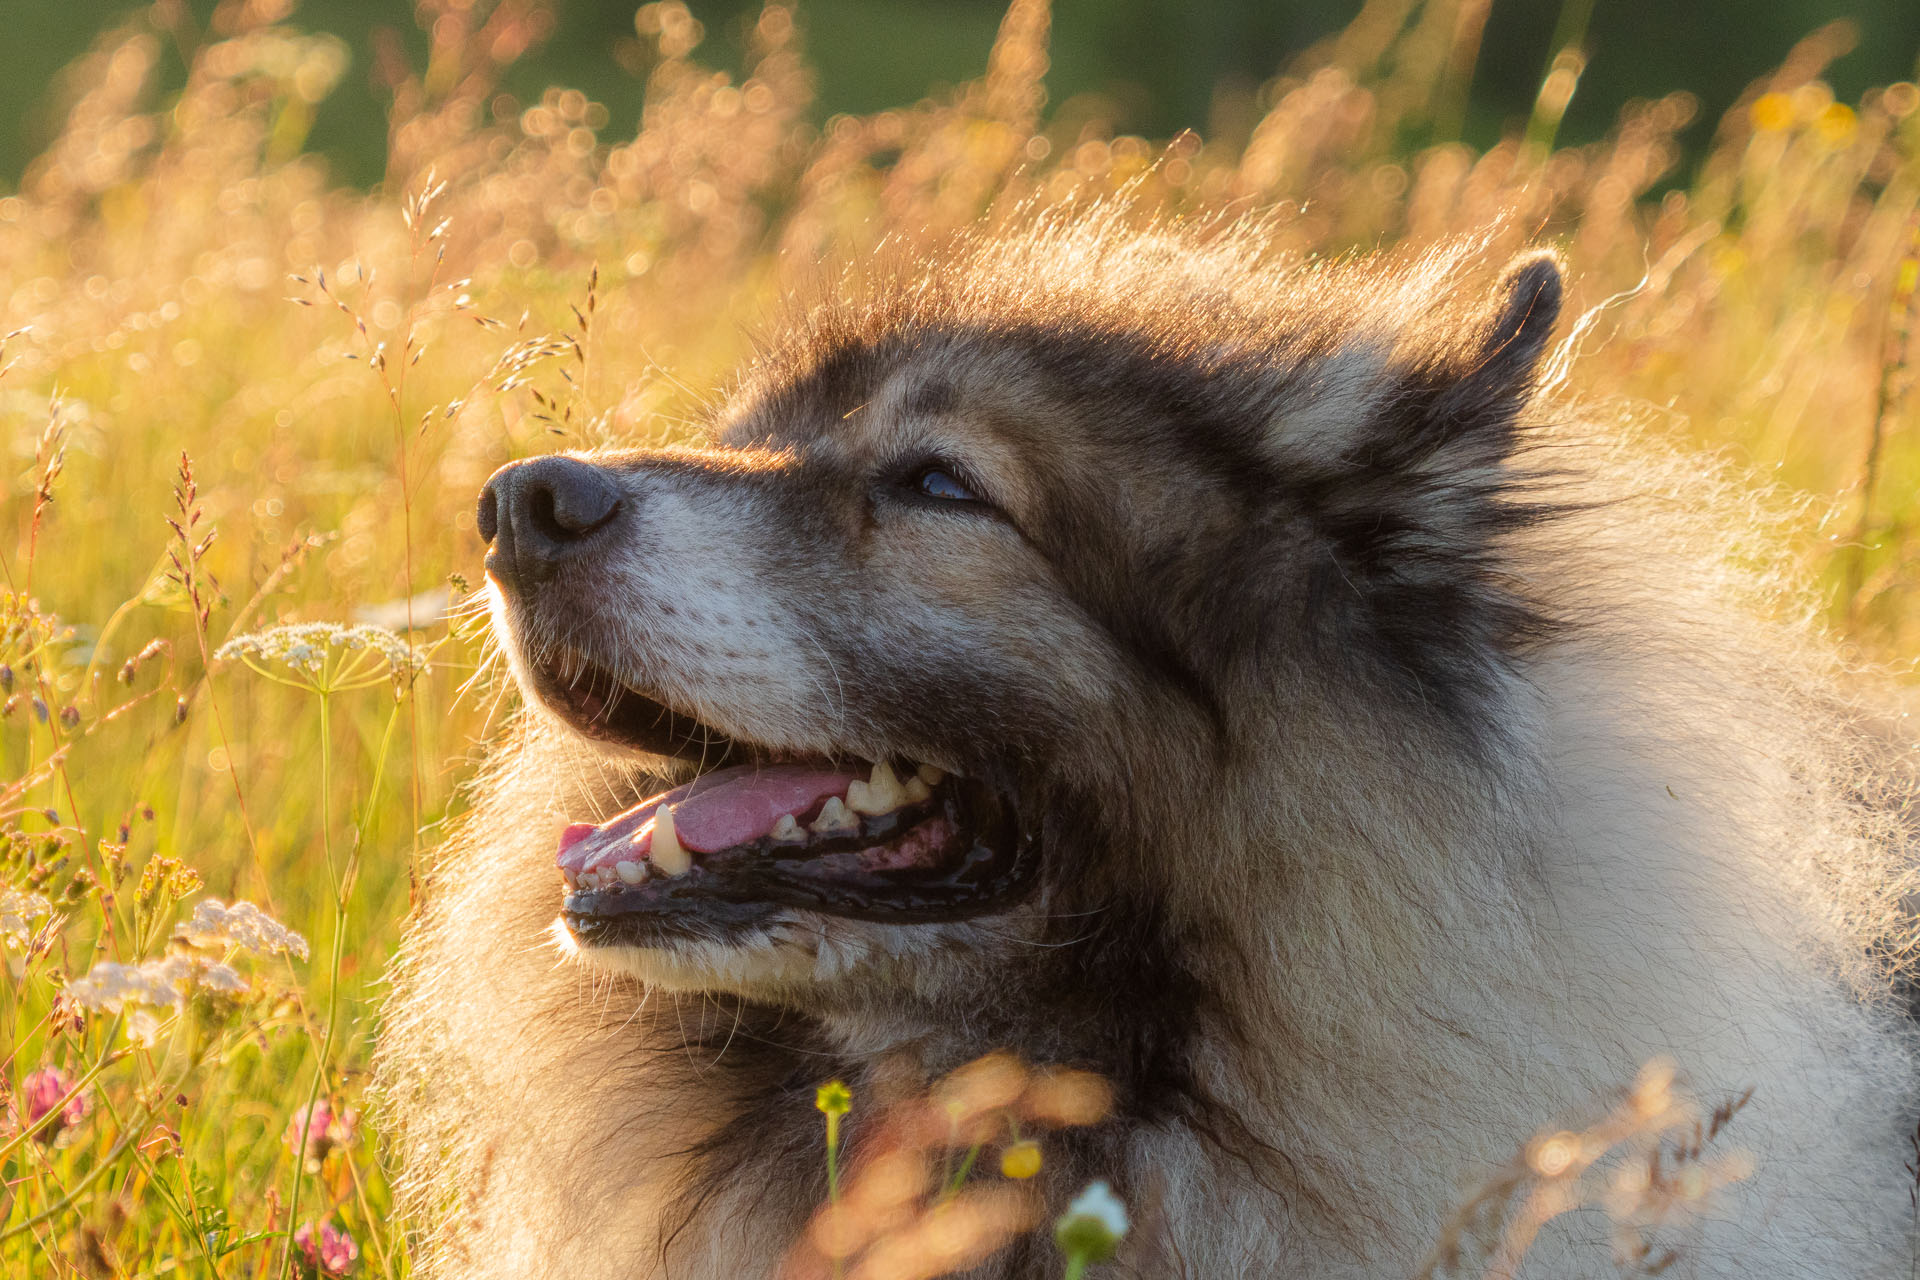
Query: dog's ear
(1417, 502)
(1455, 400)
(1504, 362)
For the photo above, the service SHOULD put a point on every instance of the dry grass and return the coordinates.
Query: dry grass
(195, 457)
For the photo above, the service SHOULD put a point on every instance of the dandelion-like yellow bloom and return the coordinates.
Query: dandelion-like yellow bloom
(834, 1098)
(1021, 1160)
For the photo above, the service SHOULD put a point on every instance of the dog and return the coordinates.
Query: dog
(1261, 684)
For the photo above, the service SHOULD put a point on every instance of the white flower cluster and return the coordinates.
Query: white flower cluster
(165, 984)
(1092, 1227)
(18, 908)
(304, 646)
(215, 926)
(158, 984)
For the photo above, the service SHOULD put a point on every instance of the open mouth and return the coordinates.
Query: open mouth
(756, 831)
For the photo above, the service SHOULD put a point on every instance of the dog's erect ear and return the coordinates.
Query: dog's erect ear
(1476, 390)
(1416, 503)
(1527, 303)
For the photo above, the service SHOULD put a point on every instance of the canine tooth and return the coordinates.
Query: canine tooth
(572, 879)
(630, 872)
(835, 818)
(917, 791)
(788, 829)
(930, 775)
(881, 793)
(667, 853)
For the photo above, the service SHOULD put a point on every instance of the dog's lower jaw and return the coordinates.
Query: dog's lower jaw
(804, 964)
(760, 966)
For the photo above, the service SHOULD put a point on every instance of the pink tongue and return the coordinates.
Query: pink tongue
(716, 811)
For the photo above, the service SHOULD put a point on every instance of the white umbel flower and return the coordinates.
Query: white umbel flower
(18, 909)
(215, 926)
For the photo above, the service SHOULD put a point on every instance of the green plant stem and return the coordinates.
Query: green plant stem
(1076, 1267)
(833, 1174)
(333, 981)
(833, 1164)
(959, 1178)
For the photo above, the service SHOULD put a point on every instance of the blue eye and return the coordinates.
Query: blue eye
(936, 483)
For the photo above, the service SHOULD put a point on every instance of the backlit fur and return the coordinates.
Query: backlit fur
(1414, 755)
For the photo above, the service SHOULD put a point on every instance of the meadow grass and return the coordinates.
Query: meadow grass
(237, 397)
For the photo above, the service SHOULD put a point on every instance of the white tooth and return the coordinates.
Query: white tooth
(590, 879)
(835, 818)
(572, 878)
(930, 775)
(880, 794)
(917, 791)
(787, 829)
(668, 856)
(630, 872)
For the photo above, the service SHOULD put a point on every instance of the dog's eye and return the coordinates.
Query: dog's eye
(937, 482)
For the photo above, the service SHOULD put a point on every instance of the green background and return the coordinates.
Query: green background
(1158, 60)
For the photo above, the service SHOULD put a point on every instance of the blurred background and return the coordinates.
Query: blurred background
(1155, 66)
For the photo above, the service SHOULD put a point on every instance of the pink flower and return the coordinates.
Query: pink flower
(49, 1088)
(335, 1254)
(324, 1129)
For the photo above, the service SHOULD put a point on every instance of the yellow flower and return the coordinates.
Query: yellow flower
(1835, 124)
(1021, 1160)
(833, 1098)
(1772, 112)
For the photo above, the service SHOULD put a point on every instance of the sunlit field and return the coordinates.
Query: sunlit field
(237, 398)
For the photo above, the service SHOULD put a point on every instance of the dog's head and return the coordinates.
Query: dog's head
(991, 599)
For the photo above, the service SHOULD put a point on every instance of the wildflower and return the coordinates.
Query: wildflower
(833, 1098)
(143, 1028)
(325, 656)
(17, 909)
(49, 1089)
(221, 979)
(153, 984)
(215, 925)
(1771, 112)
(1021, 1160)
(315, 1132)
(111, 988)
(1835, 124)
(1091, 1229)
(332, 1254)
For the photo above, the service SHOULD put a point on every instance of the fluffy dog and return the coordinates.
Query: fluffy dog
(1237, 679)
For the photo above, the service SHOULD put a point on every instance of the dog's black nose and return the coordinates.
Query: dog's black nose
(538, 512)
